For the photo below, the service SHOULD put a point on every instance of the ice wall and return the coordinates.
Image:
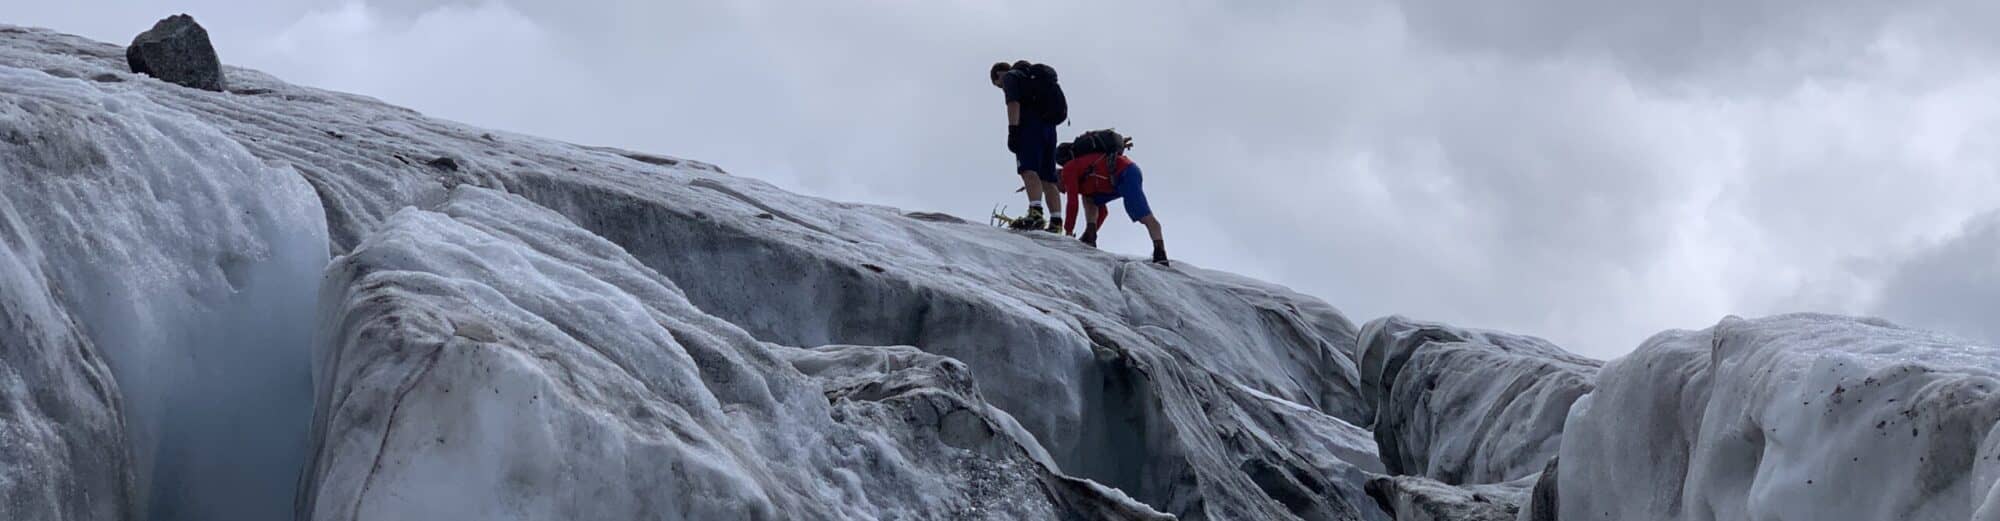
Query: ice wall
(1466, 406)
(190, 265)
(1795, 417)
(490, 360)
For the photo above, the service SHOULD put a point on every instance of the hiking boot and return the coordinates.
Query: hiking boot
(1089, 238)
(1032, 221)
(1055, 225)
(1160, 253)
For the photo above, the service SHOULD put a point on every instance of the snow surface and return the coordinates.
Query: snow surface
(1796, 417)
(163, 246)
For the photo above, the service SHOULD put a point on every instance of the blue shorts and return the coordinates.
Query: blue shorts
(1131, 188)
(1037, 151)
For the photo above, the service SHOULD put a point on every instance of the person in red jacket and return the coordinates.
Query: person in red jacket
(1099, 179)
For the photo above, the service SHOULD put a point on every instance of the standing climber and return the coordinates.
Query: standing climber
(1095, 167)
(1035, 105)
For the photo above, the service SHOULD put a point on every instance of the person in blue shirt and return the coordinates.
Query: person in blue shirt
(1033, 142)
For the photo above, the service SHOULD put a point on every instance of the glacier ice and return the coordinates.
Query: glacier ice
(281, 301)
(166, 248)
(1466, 406)
(1417, 498)
(62, 436)
(1788, 417)
(1180, 409)
(1135, 377)
(488, 359)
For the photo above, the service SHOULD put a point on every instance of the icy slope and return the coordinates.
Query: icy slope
(1199, 393)
(141, 234)
(1466, 406)
(1798, 417)
(491, 350)
(526, 329)
(63, 452)
(62, 438)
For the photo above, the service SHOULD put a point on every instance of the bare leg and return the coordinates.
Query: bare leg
(1152, 227)
(1159, 245)
(1053, 197)
(1033, 184)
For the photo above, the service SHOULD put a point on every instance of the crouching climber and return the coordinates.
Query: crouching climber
(1095, 168)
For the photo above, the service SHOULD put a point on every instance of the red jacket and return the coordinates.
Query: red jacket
(1089, 173)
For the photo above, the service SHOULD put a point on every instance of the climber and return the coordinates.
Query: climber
(1035, 105)
(1095, 167)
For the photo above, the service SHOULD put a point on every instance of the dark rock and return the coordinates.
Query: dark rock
(177, 50)
(107, 78)
(935, 217)
(444, 163)
(651, 159)
(250, 92)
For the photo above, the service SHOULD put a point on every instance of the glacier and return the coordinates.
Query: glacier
(1117, 386)
(278, 301)
(1467, 406)
(1789, 417)
(488, 349)
(166, 250)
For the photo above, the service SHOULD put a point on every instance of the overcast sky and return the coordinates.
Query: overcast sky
(1588, 171)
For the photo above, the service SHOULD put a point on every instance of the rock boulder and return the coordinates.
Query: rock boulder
(177, 50)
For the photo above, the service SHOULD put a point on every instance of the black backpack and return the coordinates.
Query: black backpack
(1044, 94)
(1107, 141)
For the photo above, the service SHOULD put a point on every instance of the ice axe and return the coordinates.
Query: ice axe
(1000, 218)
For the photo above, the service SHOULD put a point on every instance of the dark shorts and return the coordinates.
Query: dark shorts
(1131, 186)
(1037, 151)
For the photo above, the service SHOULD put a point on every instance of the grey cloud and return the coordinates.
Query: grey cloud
(1692, 44)
(1953, 286)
